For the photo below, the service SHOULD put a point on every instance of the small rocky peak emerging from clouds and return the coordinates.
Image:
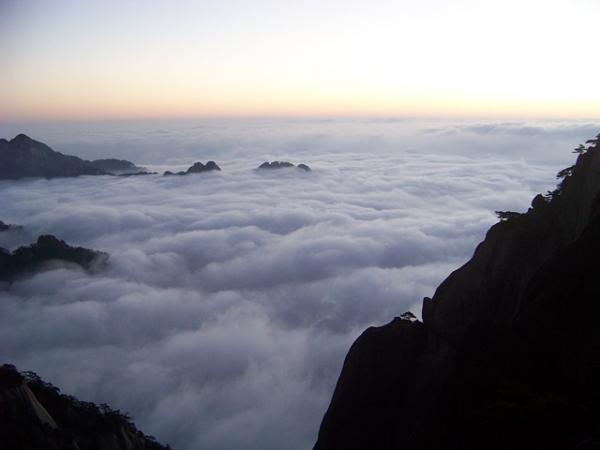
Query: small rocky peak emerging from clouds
(197, 167)
(37, 256)
(282, 165)
(34, 415)
(9, 226)
(507, 354)
(118, 166)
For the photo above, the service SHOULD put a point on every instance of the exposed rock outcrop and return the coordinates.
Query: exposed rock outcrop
(508, 353)
(197, 167)
(117, 166)
(32, 258)
(34, 415)
(25, 157)
(137, 174)
(282, 165)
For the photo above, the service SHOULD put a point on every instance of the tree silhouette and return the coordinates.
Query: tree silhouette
(566, 172)
(595, 141)
(506, 215)
(408, 316)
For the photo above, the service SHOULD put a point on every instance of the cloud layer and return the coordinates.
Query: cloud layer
(231, 298)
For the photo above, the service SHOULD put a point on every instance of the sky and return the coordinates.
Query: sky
(116, 59)
(230, 299)
(223, 315)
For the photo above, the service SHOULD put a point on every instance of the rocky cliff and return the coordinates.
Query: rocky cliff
(34, 415)
(508, 353)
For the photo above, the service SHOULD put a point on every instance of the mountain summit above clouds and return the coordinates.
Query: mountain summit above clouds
(508, 353)
(28, 260)
(25, 157)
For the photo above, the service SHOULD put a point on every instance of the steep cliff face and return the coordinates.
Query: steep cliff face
(508, 354)
(491, 285)
(35, 416)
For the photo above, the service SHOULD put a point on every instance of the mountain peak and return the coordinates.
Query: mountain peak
(509, 341)
(23, 156)
(21, 137)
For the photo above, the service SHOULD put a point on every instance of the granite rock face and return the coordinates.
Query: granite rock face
(508, 353)
(34, 415)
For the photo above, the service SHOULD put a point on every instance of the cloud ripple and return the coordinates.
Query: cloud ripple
(231, 298)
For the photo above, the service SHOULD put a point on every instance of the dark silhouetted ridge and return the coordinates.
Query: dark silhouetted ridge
(197, 167)
(24, 157)
(282, 165)
(117, 166)
(32, 258)
(9, 226)
(508, 353)
(34, 415)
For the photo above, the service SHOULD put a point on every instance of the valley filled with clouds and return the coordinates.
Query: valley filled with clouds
(230, 298)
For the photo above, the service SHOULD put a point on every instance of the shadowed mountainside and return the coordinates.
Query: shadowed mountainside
(34, 415)
(29, 259)
(508, 353)
(282, 165)
(117, 166)
(197, 167)
(8, 226)
(24, 157)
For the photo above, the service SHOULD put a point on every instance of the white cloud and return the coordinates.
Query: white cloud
(230, 299)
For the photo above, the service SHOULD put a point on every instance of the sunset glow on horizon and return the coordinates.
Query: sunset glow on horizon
(65, 60)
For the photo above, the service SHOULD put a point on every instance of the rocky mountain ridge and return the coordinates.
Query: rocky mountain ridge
(29, 259)
(117, 166)
(25, 157)
(34, 415)
(282, 165)
(508, 353)
(197, 167)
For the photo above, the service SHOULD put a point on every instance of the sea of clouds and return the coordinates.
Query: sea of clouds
(231, 298)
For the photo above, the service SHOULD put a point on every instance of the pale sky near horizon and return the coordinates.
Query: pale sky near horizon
(110, 59)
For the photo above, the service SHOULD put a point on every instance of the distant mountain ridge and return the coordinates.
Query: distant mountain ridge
(197, 167)
(508, 353)
(282, 165)
(25, 157)
(29, 259)
(117, 166)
